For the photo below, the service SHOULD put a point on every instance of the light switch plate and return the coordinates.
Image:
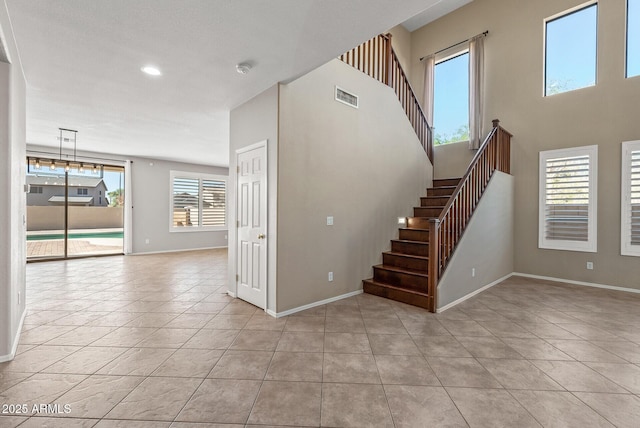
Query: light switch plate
(330, 220)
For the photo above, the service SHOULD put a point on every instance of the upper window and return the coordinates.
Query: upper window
(568, 199)
(35, 189)
(82, 191)
(571, 50)
(630, 237)
(198, 201)
(633, 38)
(451, 99)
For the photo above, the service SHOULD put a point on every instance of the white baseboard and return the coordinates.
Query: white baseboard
(174, 251)
(16, 341)
(231, 293)
(313, 305)
(473, 293)
(569, 281)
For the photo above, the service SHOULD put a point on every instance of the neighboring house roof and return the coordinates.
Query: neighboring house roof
(56, 180)
(72, 199)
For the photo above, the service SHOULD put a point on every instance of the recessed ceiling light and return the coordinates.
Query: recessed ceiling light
(152, 71)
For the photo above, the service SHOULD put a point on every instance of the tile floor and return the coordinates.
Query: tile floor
(154, 341)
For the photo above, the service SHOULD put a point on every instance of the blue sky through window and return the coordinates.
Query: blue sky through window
(633, 38)
(571, 51)
(451, 100)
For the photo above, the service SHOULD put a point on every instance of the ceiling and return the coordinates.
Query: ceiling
(82, 60)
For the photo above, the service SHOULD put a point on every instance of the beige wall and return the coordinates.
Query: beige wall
(401, 43)
(52, 218)
(365, 167)
(486, 246)
(606, 115)
(252, 122)
(451, 160)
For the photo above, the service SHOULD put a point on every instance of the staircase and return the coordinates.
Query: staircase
(410, 272)
(403, 274)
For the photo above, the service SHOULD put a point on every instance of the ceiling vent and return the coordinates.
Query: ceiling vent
(346, 97)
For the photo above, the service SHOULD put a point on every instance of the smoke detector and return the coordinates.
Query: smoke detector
(243, 68)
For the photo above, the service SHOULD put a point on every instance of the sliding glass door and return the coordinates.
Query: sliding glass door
(74, 209)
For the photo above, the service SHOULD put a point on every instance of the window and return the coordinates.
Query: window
(630, 236)
(451, 99)
(568, 199)
(633, 38)
(35, 189)
(198, 201)
(570, 50)
(83, 191)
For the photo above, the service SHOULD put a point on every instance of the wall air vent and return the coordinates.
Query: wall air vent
(346, 97)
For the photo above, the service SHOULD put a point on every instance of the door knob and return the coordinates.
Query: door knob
(261, 236)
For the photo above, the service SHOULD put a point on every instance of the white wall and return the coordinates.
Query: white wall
(151, 188)
(486, 246)
(252, 122)
(13, 206)
(365, 167)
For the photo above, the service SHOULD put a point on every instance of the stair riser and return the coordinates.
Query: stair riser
(414, 249)
(446, 182)
(418, 223)
(414, 235)
(405, 262)
(399, 279)
(397, 295)
(439, 191)
(427, 211)
(438, 201)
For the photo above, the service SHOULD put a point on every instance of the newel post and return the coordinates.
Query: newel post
(434, 264)
(497, 148)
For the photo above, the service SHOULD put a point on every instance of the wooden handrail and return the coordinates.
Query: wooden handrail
(446, 231)
(377, 59)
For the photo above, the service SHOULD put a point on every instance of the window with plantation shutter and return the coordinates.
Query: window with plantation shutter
(198, 202)
(630, 236)
(568, 199)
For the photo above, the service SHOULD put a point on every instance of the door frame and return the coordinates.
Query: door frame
(238, 152)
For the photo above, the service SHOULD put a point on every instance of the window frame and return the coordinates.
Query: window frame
(626, 43)
(555, 17)
(626, 249)
(200, 177)
(591, 245)
(445, 56)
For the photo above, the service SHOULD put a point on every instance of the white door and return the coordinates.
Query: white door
(252, 226)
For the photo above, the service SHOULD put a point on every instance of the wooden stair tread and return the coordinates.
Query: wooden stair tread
(402, 270)
(395, 253)
(406, 241)
(414, 228)
(395, 287)
(443, 187)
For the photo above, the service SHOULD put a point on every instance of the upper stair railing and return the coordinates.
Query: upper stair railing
(377, 59)
(446, 231)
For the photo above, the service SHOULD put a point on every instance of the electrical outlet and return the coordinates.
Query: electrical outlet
(590, 265)
(146, 241)
(19, 297)
(330, 276)
(473, 272)
(330, 221)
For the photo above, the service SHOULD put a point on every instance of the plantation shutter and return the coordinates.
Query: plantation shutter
(186, 202)
(635, 197)
(630, 233)
(567, 198)
(213, 202)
